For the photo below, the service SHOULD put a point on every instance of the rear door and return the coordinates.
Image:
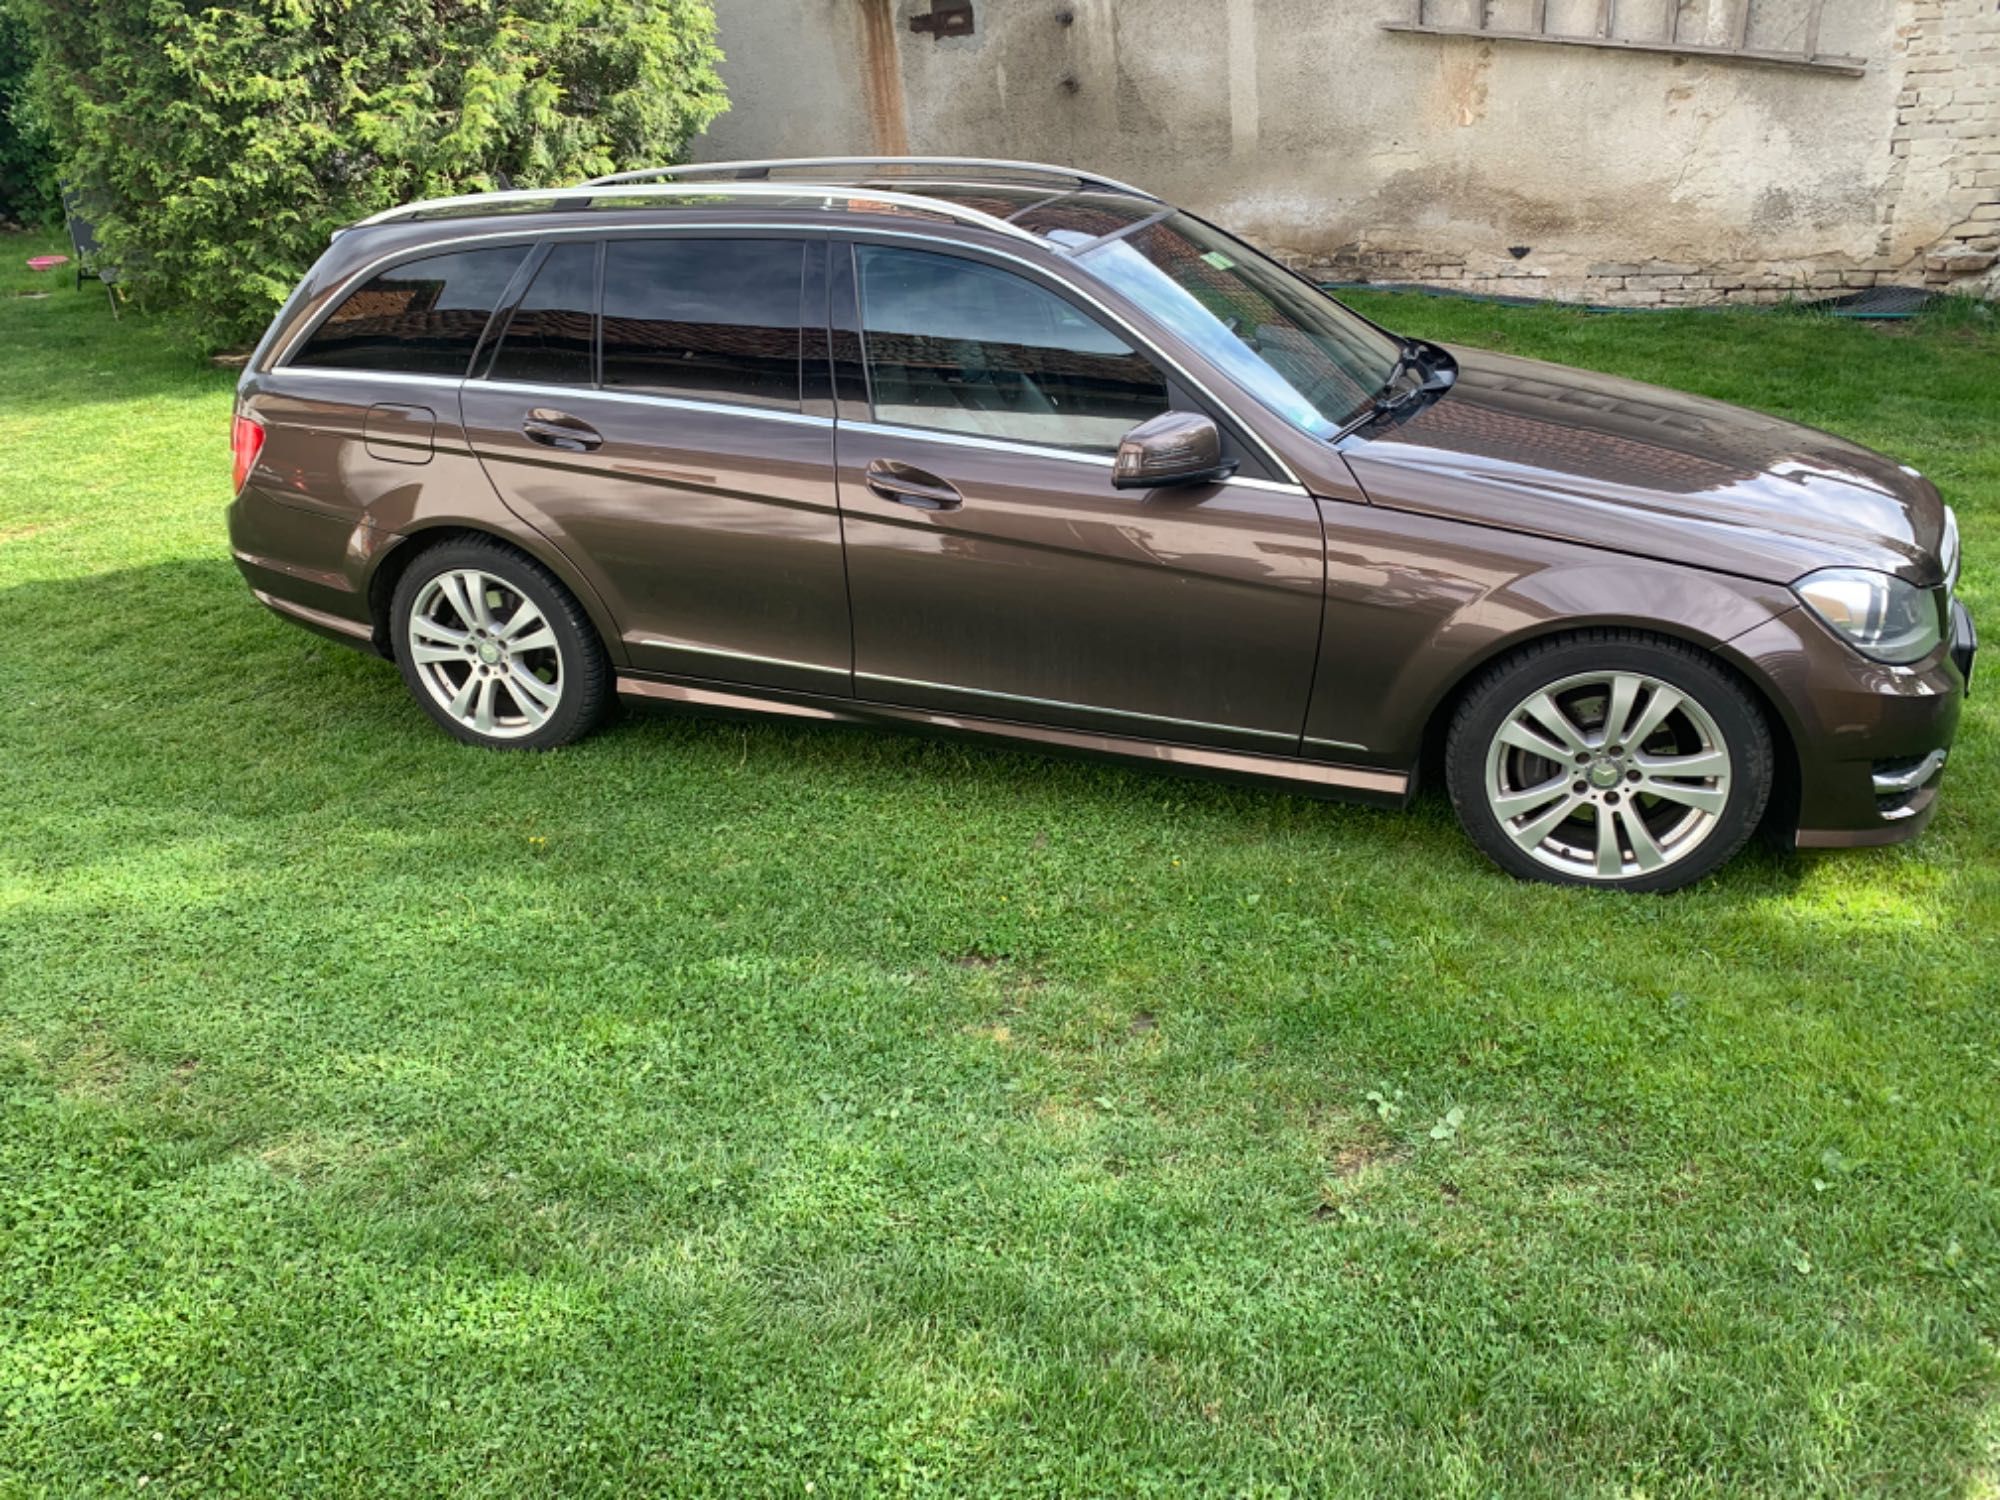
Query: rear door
(993, 568)
(665, 447)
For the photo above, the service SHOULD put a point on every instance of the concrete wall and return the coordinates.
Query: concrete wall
(1583, 172)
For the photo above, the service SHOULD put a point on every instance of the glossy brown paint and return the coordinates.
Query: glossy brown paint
(1631, 468)
(1415, 603)
(1193, 610)
(321, 515)
(712, 536)
(1308, 627)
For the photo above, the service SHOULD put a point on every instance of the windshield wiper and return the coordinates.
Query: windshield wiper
(1410, 357)
(1388, 400)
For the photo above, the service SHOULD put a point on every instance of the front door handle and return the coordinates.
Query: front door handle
(558, 429)
(911, 486)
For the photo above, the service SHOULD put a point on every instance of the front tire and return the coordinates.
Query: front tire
(1609, 758)
(496, 649)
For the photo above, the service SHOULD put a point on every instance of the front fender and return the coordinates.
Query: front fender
(1416, 605)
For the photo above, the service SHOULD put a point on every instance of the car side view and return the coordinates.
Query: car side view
(1023, 452)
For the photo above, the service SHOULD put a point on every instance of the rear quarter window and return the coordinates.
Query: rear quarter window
(423, 317)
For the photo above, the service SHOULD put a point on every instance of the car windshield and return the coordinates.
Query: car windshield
(1292, 347)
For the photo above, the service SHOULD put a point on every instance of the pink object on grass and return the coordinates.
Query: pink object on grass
(46, 262)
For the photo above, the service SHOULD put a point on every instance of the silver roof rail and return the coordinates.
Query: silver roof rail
(755, 171)
(594, 193)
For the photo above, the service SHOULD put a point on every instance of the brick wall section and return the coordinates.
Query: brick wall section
(1944, 144)
(1948, 127)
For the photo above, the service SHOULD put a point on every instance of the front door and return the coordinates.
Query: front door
(663, 447)
(992, 568)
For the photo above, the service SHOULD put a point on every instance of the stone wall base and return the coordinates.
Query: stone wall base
(1966, 266)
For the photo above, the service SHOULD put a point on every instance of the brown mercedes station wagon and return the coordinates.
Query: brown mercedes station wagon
(1008, 449)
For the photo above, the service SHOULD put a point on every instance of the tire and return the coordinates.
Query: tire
(462, 652)
(1554, 796)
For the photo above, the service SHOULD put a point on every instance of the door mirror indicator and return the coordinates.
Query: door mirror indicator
(1176, 447)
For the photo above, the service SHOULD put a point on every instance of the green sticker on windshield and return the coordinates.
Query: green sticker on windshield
(1220, 261)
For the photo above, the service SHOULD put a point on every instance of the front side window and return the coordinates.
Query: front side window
(1292, 347)
(423, 317)
(548, 338)
(957, 346)
(704, 319)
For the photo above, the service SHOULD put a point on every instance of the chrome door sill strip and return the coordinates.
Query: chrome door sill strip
(1348, 779)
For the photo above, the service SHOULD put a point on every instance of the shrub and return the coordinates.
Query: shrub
(221, 141)
(27, 159)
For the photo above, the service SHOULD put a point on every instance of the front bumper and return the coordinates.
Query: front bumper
(1873, 740)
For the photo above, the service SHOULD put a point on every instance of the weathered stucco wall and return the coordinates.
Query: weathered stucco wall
(1561, 170)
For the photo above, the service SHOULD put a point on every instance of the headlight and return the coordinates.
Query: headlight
(1876, 614)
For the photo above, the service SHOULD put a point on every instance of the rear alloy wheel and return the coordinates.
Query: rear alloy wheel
(496, 649)
(1620, 761)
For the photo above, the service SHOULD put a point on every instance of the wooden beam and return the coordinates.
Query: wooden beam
(1539, 17)
(1605, 16)
(1812, 29)
(1672, 31)
(1823, 62)
(1742, 32)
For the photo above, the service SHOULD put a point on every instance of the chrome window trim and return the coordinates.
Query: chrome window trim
(1036, 450)
(1081, 708)
(1272, 486)
(394, 377)
(643, 398)
(339, 294)
(769, 661)
(1313, 739)
(977, 440)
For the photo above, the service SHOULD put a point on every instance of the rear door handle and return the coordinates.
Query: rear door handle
(558, 429)
(911, 486)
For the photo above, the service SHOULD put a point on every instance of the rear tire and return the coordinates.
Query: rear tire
(1609, 758)
(496, 649)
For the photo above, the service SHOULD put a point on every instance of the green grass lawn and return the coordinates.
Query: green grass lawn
(723, 1107)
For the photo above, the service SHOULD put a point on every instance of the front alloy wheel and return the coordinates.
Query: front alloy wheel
(1609, 759)
(1608, 775)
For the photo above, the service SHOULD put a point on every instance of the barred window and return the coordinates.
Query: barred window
(1783, 32)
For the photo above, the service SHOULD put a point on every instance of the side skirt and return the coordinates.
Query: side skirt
(1314, 778)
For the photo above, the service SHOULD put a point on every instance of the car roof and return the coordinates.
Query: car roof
(1055, 207)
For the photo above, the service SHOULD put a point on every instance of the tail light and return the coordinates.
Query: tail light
(246, 441)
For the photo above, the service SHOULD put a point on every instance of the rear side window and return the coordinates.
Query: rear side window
(423, 317)
(705, 319)
(548, 339)
(956, 346)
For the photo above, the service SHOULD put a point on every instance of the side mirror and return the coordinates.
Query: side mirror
(1176, 447)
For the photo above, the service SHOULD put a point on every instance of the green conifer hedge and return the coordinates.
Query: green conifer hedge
(219, 142)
